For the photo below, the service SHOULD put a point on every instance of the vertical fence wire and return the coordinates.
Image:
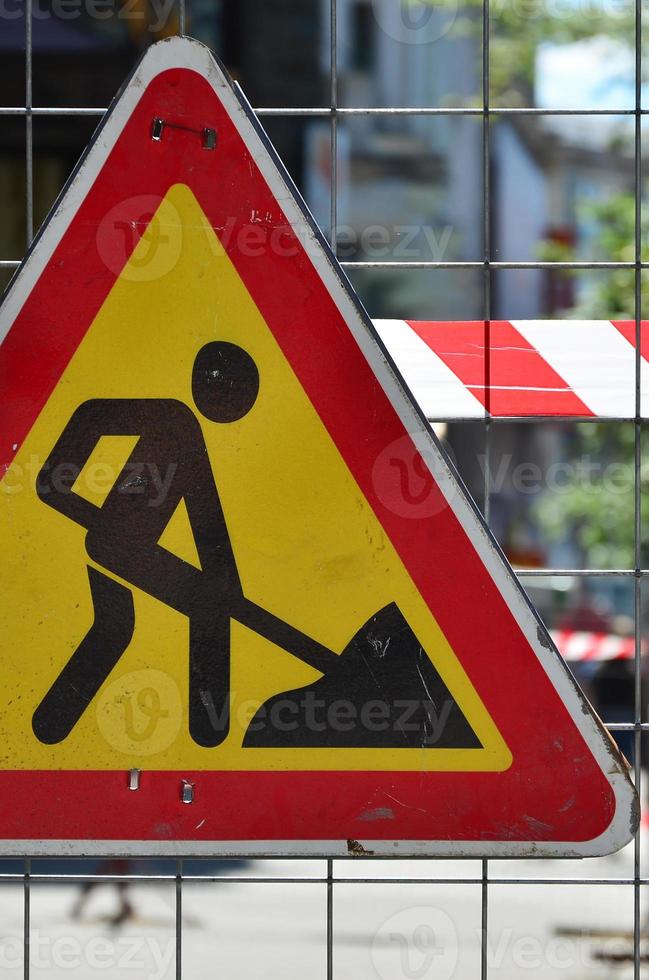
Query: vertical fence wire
(486, 281)
(179, 919)
(330, 919)
(29, 133)
(29, 233)
(333, 106)
(637, 456)
(27, 918)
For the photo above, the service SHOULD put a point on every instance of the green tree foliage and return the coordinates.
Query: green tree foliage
(599, 514)
(607, 294)
(517, 28)
(595, 505)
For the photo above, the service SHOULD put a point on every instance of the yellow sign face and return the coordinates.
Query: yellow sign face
(308, 549)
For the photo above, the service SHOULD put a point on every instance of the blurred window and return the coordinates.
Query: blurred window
(363, 36)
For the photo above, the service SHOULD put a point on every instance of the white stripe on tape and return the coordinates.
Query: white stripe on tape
(438, 391)
(592, 357)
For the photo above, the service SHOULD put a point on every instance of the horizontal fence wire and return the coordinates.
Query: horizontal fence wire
(156, 879)
(451, 264)
(341, 111)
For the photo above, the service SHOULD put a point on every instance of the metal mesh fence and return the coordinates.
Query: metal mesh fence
(340, 884)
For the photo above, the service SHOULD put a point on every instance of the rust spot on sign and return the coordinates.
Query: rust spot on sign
(356, 849)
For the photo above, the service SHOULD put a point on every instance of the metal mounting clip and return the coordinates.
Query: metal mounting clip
(207, 134)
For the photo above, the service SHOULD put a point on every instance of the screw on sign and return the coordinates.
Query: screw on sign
(223, 614)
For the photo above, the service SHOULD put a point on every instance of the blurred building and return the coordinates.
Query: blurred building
(410, 186)
(417, 180)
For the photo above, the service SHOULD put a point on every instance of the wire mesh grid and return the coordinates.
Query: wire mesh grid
(332, 873)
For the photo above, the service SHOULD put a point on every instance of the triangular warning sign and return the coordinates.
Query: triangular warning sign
(234, 555)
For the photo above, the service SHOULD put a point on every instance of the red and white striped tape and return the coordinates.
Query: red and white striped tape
(520, 368)
(574, 645)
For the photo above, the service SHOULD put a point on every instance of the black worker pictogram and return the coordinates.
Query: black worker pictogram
(382, 662)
